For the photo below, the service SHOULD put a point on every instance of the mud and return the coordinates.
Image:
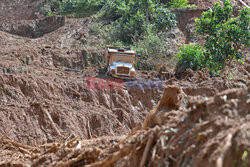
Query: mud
(212, 131)
(20, 10)
(34, 28)
(49, 116)
(199, 119)
(28, 102)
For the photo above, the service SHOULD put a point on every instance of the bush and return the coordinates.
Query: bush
(150, 47)
(128, 19)
(128, 27)
(163, 19)
(149, 50)
(225, 35)
(191, 56)
(135, 22)
(77, 8)
(180, 4)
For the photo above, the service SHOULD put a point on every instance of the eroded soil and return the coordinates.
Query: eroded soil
(50, 117)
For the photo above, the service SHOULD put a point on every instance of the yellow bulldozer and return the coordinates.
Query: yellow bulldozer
(120, 62)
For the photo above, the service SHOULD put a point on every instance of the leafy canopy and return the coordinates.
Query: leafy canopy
(180, 4)
(225, 34)
(191, 56)
(124, 22)
(133, 19)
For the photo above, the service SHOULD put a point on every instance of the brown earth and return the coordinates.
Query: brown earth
(205, 130)
(210, 3)
(45, 105)
(20, 9)
(49, 116)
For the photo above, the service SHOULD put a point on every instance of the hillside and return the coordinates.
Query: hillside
(50, 117)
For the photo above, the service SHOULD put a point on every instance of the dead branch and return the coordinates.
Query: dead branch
(146, 150)
(228, 143)
(19, 145)
(92, 153)
(134, 130)
(90, 135)
(50, 120)
(125, 150)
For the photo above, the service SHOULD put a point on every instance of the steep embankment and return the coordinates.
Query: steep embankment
(180, 131)
(48, 105)
(26, 18)
(20, 10)
(199, 120)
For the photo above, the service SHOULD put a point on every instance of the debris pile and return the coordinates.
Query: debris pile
(194, 131)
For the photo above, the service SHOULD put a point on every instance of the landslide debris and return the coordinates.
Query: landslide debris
(212, 131)
(173, 99)
(26, 18)
(47, 106)
(48, 117)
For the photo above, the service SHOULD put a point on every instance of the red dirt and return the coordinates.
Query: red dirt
(48, 116)
(210, 3)
(212, 131)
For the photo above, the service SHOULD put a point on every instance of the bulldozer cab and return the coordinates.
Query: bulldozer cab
(120, 61)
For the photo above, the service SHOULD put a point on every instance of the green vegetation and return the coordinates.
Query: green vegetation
(149, 49)
(180, 4)
(134, 19)
(142, 24)
(225, 37)
(76, 8)
(62, 61)
(191, 56)
(124, 23)
(163, 19)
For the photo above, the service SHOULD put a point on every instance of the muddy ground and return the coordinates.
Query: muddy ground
(49, 116)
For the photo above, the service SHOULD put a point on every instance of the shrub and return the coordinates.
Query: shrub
(180, 4)
(150, 47)
(163, 19)
(149, 50)
(77, 8)
(128, 27)
(225, 35)
(135, 21)
(191, 56)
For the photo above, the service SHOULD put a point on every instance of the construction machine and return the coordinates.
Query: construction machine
(120, 62)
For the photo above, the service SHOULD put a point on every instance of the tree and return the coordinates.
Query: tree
(190, 56)
(225, 35)
(78, 8)
(180, 4)
(133, 19)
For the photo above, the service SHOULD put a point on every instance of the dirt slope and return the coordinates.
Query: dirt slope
(20, 9)
(49, 116)
(29, 100)
(210, 3)
(212, 131)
